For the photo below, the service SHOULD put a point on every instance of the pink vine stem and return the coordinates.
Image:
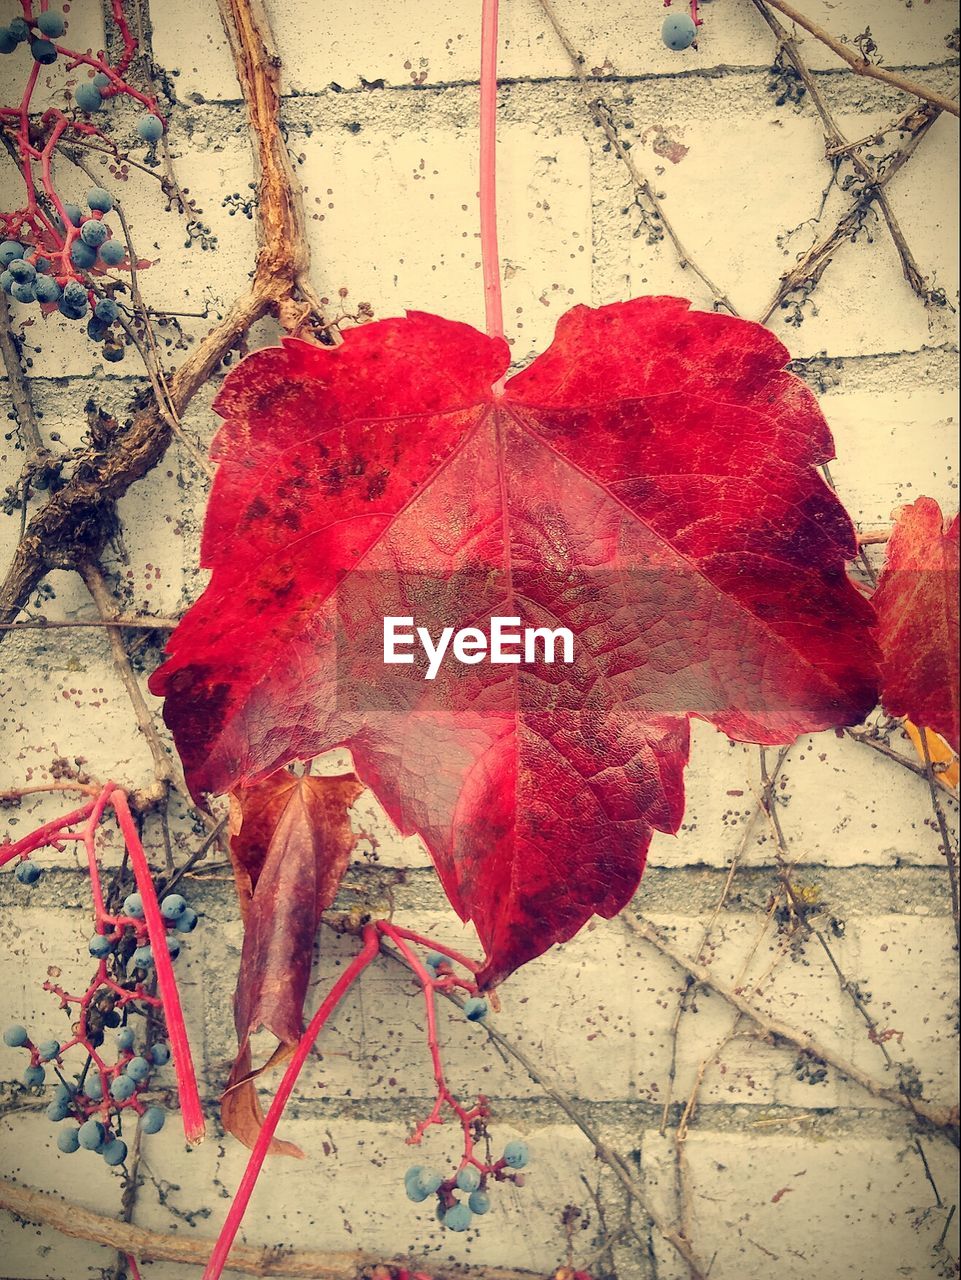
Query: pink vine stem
(238, 1208)
(190, 1108)
(490, 259)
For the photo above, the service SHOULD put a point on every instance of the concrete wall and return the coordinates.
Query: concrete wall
(790, 1171)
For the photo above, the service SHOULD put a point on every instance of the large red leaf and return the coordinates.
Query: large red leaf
(648, 482)
(290, 841)
(917, 608)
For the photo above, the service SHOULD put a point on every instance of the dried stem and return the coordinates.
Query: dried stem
(78, 1223)
(164, 771)
(601, 114)
(950, 854)
(835, 143)
(74, 525)
(812, 265)
(860, 64)
(17, 383)
(941, 1117)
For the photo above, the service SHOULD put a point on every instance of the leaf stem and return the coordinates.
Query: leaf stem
(228, 1231)
(490, 259)
(191, 1111)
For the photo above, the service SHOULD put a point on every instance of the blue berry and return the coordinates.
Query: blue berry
(173, 905)
(479, 1202)
(19, 30)
(91, 1135)
(23, 292)
(28, 872)
(152, 1120)
(68, 1140)
(33, 1077)
(15, 1036)
(93, 1087)
(186, 922)
(123, 1088)
(457, 1218)
(133, 906)
(516, 1155)
(21, 270)
(99, 199)
(43, 52)
(71, 310)
(58, 1111)
(10, 250)
(113, 354)
(6, 281)
(679, 31)
(93, 233)
(51, 23)
(47, 289)
(96, 329)
(74, 214)
(142, 958)
(63, 1093)
(475, 1008)
(173, 947)
(74, 294)
(430, 1180)
(99, 946)
(82, 256)
(101, 80)
(435, 960)
(106, 310)
(468, 1178)
(138, 1069)
(112, 253)
(150, 128)
(8, 41)
(125, 1039)
(88, 97)
(413, 1186)
(160, 1054)
(115, 1152)
(49, 1050)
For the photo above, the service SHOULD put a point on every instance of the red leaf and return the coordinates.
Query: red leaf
(290, 841)
(917, 608)
(648, 483)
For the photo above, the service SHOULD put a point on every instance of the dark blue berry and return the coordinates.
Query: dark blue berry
(43, 52)
(91, 1135)
(99, 946)
(150, 128)
(28, 872)
(112, 253)
(88, 97)
(93, 233)
(51, 23)
(68, 1140)
(152, 1120)
(15, 1036)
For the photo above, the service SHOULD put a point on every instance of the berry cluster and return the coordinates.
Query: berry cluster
(96, 1100)
(28, 275)
(127, 933)
(472, 1179)
(53, 253)
(39, 34)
